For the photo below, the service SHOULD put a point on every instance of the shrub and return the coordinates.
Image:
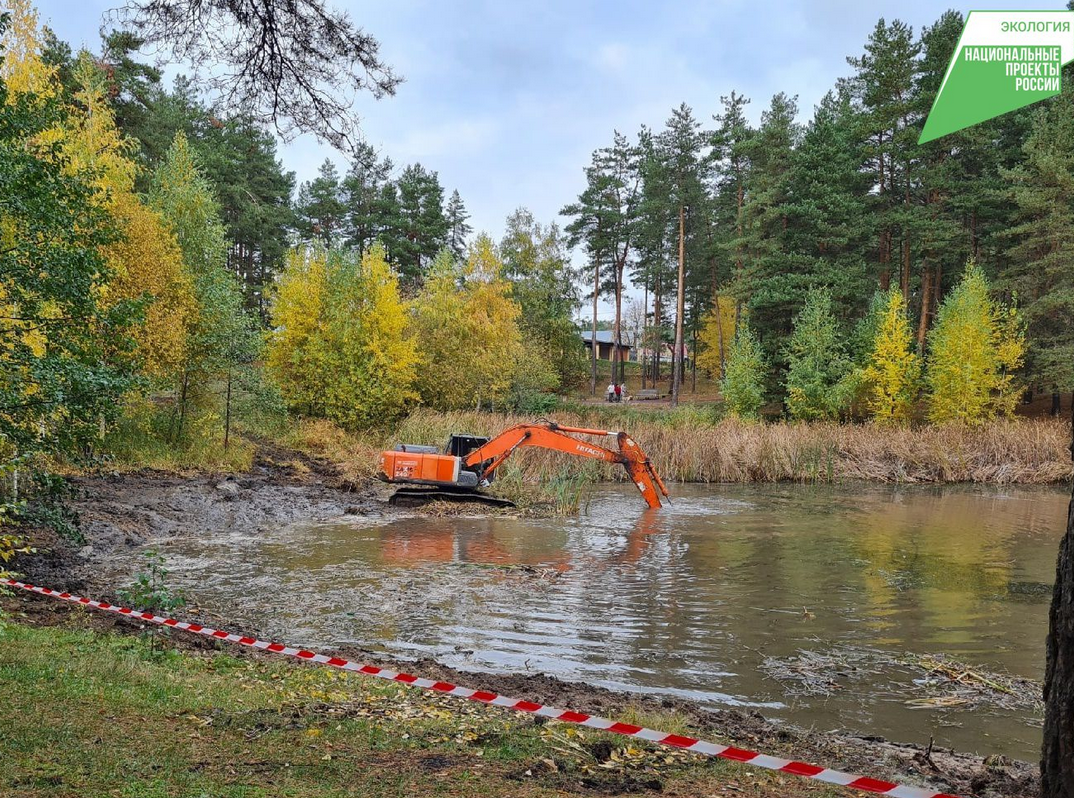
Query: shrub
(743, 382)
(820, 382)
(974, 349)
(892, 371)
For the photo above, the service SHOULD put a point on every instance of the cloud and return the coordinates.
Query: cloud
(458, 137)
(612, 58)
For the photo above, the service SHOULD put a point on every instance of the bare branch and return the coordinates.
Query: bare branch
(292, 64)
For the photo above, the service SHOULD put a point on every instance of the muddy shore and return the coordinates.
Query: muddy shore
(127, 511)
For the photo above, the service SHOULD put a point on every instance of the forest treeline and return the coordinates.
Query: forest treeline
(162, 274)
(724, 224)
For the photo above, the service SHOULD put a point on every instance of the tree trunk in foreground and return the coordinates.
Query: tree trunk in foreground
(1057, 753)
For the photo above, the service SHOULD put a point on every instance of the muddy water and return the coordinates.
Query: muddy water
(689, 600)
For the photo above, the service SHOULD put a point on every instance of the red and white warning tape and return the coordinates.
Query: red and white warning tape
(863, 783)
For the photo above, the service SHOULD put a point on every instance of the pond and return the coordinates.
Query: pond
(695, 600)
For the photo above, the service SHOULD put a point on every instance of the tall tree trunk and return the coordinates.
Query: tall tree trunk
(680, 302)
(904, 277)
(885, 260)
(1057, 752)
(227, 412)
(693, 362)
(906, 232)
(593, 339)
(719, 334)
(182, 407)
(618, 361)
(926, 306)
(937, 282)
(659, 341)
(644, 342)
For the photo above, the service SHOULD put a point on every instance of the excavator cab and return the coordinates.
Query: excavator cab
(461, 445)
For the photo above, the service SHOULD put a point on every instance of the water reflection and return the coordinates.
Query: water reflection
(687, 600)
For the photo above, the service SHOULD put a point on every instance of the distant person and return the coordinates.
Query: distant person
(618, 392)
(611, 392)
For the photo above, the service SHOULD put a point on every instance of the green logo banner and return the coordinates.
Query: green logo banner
(1004, 60)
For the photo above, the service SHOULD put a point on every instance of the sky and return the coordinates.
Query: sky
(507, 101)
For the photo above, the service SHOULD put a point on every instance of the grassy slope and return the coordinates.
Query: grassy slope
(97, 714)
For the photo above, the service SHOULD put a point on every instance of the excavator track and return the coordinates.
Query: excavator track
(419, 497)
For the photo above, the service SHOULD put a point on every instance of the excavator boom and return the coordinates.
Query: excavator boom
(476, 466)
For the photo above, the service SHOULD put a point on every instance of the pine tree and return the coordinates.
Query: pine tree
(828, 224)
(883, 86)
(1041, 271)
(763, 242)
(891, 376)
(731, 145)
(421, 229)
(362, 191)
(457, 225)
(819, 373)
(605, 218)
(955, 176)
(320, 208)
(742, 386)
(254, 191)
(681, 164)
(542, 279)
(594, 221)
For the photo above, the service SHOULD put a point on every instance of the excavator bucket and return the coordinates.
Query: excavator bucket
(641, 471)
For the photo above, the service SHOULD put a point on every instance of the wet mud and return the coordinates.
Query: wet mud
(123, 513)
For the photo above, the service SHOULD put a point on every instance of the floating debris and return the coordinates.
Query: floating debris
(932, 681)
(964, 684)
(816, 673)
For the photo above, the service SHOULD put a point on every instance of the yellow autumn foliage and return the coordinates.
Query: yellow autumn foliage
(23, 70)
(339, 346)
(298, 311)
(891, 376)
(974, 349)
(717, 333)
(25, 74)
(466, 325)
(145, 260)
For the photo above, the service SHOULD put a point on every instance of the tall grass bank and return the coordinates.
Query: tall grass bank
(690, 445)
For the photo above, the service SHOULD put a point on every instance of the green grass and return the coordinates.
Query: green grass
(100, 714)
(143, 438)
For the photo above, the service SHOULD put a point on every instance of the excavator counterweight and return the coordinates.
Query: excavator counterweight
(469, 462)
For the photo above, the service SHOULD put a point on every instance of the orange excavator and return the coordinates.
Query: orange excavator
(469, 462)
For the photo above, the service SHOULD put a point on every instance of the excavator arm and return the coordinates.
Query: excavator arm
(548, 435)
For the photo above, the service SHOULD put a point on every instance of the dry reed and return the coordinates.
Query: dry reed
(691, 447)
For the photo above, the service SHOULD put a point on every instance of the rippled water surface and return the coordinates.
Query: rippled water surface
(687, 600)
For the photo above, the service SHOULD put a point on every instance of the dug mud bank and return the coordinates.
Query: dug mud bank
(208, 525)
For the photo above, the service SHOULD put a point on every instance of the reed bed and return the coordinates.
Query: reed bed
(691, 445)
